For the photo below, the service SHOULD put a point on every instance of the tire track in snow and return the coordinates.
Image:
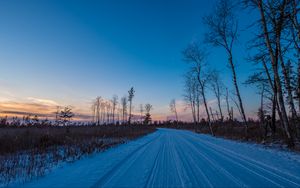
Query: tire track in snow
(214, 164)
(188, 162)
(250, 170)
(108, 175)
(167, 166)
(154, 169)
(261, 169)
(234, 157)
(249, 159)
(182, 174)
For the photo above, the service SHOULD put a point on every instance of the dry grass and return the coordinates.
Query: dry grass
(236, 131)
(28, 152)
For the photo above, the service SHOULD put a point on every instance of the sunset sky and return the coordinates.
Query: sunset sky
(67, 52)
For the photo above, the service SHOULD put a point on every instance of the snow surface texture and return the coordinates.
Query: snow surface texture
(176, 158)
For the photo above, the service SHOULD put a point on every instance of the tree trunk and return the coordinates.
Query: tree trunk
(275, 104)
(238, 93)
(207, 112)
(219, 104)
(129, 119)
(227, 104)
(98, 112)
(220, 110)
(176, 116)
(212, 115)
(262, 118)
(113, 115)
(217, 115)
(205, 103)
(287, 82)
(198, 111)
(274, 61)
(193, 112)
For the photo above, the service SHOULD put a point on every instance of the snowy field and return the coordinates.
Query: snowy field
(176, 158)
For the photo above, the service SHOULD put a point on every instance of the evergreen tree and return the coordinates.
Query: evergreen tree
(147, 119)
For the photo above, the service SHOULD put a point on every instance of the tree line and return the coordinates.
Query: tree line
(63, 117)
(115, 111)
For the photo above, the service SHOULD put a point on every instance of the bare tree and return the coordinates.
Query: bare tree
(102, 111)
(124, 108)
(114, 105)
(295, 35)
(288, 85)
(141, 111)
(265, 91)
(292, 22)
(261, 59)
(148, 108)
(196, 56)
(130, 97)
(93, 108)
(230, 114)
(108, 111)
(223, 28)
(96, 107)
(190, 94)
(173, 108)
(272, 21)
(217, 87)
(120, 112)
(212, 115)
(272, 84)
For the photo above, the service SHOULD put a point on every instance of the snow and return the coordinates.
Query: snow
(176, 158)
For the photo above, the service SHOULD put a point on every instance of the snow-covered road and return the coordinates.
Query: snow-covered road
(174, 158)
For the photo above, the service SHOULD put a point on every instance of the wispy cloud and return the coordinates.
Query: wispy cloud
(43, 108)
(20, 113)
(46, 102)
(31, 105)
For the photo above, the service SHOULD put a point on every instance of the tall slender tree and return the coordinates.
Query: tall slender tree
(222, 32)
(114, 106)
(148, 119)
(194, 55)
(272, 22)
(130, 97)
(173, 108)
(230, 114)
(217, 88)
(98, 109)
(265, 91)
(141, 112)
(93, 108)
(190, 94)
(124, 108)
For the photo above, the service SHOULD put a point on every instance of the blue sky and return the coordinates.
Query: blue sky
(69, 52)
